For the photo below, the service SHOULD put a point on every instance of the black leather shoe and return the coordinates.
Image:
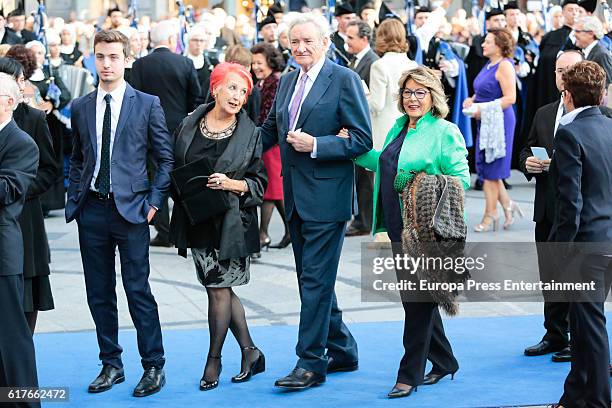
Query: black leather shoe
(151, 382)
(160, 242)
(432, 378)
(300, 379)
(354, 232)
(563, 356)
(284, 243)
(543, 347)
(334, 366)
(399, 393)
(108, 377)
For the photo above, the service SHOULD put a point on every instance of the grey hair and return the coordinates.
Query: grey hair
(363, 29)
(590, 23)
(9, 87)
(33, 44)
(163, 31)
(318, 21)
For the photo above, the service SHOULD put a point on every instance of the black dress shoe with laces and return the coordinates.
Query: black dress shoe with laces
(108, 377)
(432, 378)
(300, 379)
(400, 393)
(334, 366)
(542, 348)
(151, 382)
(563, 356)
(160, 242)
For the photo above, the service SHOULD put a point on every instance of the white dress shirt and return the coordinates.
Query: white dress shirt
(559, 116)
(570, 116)
(588, 49)
(115, 106)
(312, 74)
(360, 55)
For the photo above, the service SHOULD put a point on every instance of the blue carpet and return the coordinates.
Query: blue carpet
(493, 372)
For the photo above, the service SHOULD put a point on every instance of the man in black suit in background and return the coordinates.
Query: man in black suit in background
(16, 21)
(173, 79)
(18, 165)
(589, 31)
(581, 168)
(542, 134)
(358, 39)
(6, 35)
(345, 13)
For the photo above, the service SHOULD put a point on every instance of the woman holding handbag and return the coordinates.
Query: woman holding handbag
(222, 135)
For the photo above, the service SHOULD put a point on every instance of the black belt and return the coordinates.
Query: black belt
(99, 196)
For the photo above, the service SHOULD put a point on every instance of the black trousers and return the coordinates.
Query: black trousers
(556, 314)
(17, 356)
(364, 182)
(101, 230)
(316, 248)
(588, 382)
(424, 339)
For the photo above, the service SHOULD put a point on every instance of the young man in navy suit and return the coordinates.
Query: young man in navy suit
(581, 167)
(113, 203)
(312, 105)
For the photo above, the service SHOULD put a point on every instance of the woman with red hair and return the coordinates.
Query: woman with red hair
(222, 137)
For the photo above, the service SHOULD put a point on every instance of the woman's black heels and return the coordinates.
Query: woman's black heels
(210, 385)
(433, 378)
(283, 243)
(256, 367)
(400, 393)
(265, 243)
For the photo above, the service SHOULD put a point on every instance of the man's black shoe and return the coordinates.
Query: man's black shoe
(108, 377)
(151, 382)
(300, 379)
(563, 356)
(354, 232)
(160, 242)
(334, 366)
(543, 347)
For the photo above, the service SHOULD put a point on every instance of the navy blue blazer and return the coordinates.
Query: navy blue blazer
(18, 164)
(321, 189)
(582, 169)
(141, 126)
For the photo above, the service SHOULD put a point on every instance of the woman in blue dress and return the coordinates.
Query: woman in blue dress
(495, 94)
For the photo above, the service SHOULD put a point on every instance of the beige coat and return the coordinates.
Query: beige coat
(384, 76)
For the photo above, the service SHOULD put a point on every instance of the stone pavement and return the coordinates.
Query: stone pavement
(271, 298)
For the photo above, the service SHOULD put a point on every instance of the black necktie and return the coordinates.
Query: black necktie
(103, 179)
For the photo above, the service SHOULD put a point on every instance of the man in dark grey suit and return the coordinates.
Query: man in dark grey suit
(312, 105)
(581, 168)
(589, 31)
(18, 165)
(358, 39)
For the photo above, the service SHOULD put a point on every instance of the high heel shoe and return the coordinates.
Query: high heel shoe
(256, 367)
(399, 393)
(283, 243)
(206, 385)
(433, 378)
(512, 210)
(264, 244)
(486, 226)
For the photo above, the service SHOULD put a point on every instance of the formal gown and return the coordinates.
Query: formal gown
(487, 89)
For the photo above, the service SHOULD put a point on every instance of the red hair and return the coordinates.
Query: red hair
(221, 71)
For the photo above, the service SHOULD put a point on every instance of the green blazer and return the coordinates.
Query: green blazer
(436, 146)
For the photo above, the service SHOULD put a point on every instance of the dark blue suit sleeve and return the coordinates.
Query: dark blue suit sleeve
(17, 170)
(76, 159)
(354, 116)
(568, 163)
(161, 146)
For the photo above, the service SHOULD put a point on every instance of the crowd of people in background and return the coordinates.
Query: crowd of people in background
(229, 85)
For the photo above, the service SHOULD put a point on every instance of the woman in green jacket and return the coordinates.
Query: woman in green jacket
(420, 140)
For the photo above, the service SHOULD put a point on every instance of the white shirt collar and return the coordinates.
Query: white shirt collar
(3, 124)
(313, 72)
(361, 54)
(116, 94)
(588, 49)
(38, 75)
(571, 116)
(198, 60)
